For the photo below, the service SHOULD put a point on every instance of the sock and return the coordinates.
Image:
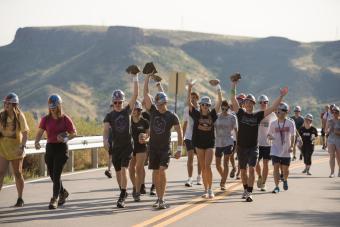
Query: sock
(250, 189)
(245, 186)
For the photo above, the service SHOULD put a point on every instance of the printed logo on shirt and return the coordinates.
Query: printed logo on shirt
(205, 124)
(159, 125)
(251, 121)
(120, 124)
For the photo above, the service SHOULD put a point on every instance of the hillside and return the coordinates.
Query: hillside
(85, 63)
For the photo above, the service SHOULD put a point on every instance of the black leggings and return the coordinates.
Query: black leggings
(307, 152)
(55, 159)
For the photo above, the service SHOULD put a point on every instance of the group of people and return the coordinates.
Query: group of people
(138, 132)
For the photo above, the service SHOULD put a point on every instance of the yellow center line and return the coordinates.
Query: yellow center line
(197, 205)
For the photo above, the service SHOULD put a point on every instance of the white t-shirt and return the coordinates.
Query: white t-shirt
(328, 116)
(190, 124)
(282, 141)
(264, 129)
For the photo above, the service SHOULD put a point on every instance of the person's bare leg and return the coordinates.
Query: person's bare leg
(219, 166)
(209, 154)
(201, 160)
(244, 176)
(190, 163)
(276, 174)
(157, 182)
(19, 179)
(132, 171)
(140, 159)
(285, 170)
(162, 177)
(258, 169)
(123, 179)
(331, 151)
(4, 164)
(251, 176)
(232, 160)
(265, 170)
(226, 168)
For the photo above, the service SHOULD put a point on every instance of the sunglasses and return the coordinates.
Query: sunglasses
(281, 111)
(263, 102)
(204, 104)
(117, 103)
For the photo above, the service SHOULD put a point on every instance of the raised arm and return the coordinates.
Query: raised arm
(147, 98)
(276, 103)
(189, 103)
(219, 98)
(159, 87)
(234, 101)
(135, 91)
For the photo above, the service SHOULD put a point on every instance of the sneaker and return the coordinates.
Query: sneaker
(285, 185)
(232, 173)
(308, 173)
(188, 183)
(199, 180)
(162, 205)
(205, 195)
(249, 197)
(332, 175)
(153, 190)
(62, 197)
(304, 171)
(142, 189)
(121, 202)
(211, 194)
(263, 188)
(137, 197)
(259, 182)
(156, 204)
(53, 204)
(244, 194)
(276, 190)
(108, 173)
(20, 202)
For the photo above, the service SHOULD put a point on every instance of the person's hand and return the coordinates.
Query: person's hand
(37, 145)
(142, 138)
(283, 91)
(179, 152)
(191, 83)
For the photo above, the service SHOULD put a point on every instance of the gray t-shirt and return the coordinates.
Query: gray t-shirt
(333, 138)
(224, 125)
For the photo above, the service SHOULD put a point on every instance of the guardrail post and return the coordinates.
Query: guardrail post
(70, 161)
(94, 157)
(42, 165)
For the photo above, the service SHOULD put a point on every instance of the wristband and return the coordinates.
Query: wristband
(65, 139)
(218, 87)
(180, 148)
(135, 78)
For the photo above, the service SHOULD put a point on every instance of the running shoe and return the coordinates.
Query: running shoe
(199, 180)
(205, 195)
(162, 204)
(142, 189)
(153, 190)
(244, 194)
(263, 188)
(62, 197)
(232, 173)
(332, 175)
(259, 182)
(188, 183)
(285, 185)
(305, 170)
(308, 173)
(249, 197)
(108, 173)
(20, 202)
(137, 197)
(276, 190)
(121, 202)
(211, 194)
(53, 204)
(156, 204)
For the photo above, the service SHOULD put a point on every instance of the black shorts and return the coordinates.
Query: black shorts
(281, 160)
(220, 151)
(264, 152)
(189, 146)
(121, 157)
(158, 158)
(247, 156)
(137, 150)
(204, 144)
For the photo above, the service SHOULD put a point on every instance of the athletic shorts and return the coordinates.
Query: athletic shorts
(121, 157)
(139, 150)
(247, 156)
(158, 158)
(220, 151)
(189, 146)
(264, 152)
(281, 160)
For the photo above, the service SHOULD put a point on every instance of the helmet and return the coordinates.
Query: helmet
(297, 109)
(138, 105)
(161, 98)
(54, 100)
(263, 98)
(241, 96)
(309, 116)
(283, 106)
(12, 98)
(118, 95)
(336, 109)
(205, 100)
(251, 97)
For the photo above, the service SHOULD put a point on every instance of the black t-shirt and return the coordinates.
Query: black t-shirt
(298, 121)
(203, 128)
(306, 135)
(120, 125)
(160, 129)
(248, 128)
(146, 115)
(137, 128)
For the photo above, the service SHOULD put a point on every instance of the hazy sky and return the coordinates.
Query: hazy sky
(303, 20)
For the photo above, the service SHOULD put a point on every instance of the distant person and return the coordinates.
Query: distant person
(333, 141)
(188, 125)
(324, 116)
(264, 144)
(13, 138)
(119, 121)
(308, 133)
(59, 129)
(282, 134)
(247, 138)
(298, 119)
